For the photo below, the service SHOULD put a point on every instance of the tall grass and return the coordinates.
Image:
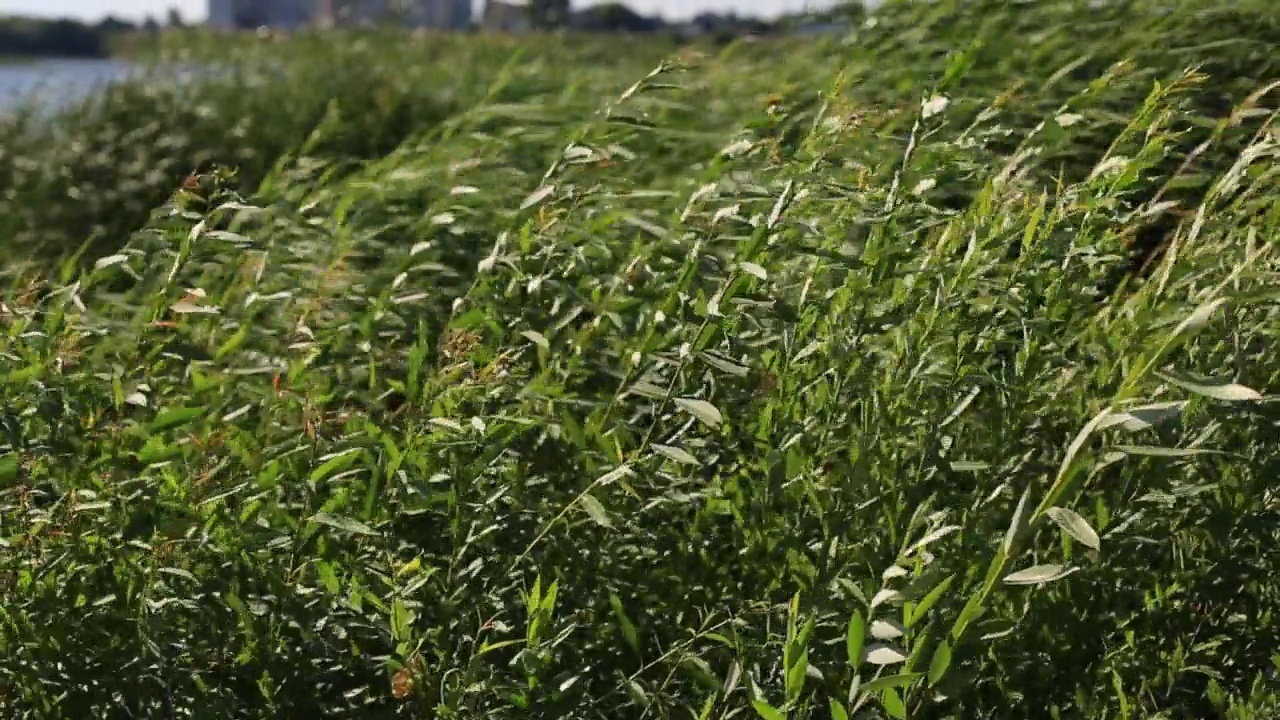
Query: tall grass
(925, 375)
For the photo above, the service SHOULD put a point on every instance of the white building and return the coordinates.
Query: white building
(293, 14)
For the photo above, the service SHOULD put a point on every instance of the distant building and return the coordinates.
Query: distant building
(249, 14)
(510, 16)
(350, 13)
(439, 14)
(293, 14)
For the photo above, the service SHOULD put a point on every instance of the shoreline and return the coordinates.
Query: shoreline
(24, 60)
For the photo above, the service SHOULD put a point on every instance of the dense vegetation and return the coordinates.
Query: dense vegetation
(23, 37)
(928, 374)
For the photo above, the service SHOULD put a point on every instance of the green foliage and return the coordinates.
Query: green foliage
(22, 37)
(801, 380)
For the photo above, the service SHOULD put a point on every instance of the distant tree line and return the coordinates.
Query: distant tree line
(38, 37)
(613, 16)
(618, 17)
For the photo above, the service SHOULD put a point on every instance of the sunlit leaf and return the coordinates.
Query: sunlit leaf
(767, 711)
(887, 629)
(537, 196)
(701, 409)
(536, 338)
(110, 260)
(595, 510)
(186, 308)
(676, 454)
(1038, 575)
(346, 524)
(882, 654)
(1135, 419)
(1075, 526)
(1222, 391)
(934, 105)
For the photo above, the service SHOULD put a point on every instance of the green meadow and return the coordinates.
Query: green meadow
(929, 371)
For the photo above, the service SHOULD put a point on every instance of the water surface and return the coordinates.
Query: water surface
(58, 82)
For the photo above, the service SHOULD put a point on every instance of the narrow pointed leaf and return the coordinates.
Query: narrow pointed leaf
(857, 635)
(701, 409)
(928, 601)
(767, 711)
(887, 630)
(1155, 451)
(176, 417)
(1144, 417)
(1038, 575)
(886, 595)
(1016, 524)
(675, 454)
(344, 523)
(932, 537)
(595, 510)
(537, 196)
(1231, 392)
(891, 681)
(883, 654)
(892, 703)
(1075, 526)
(625, 625)
(940, 662)
(536, 338)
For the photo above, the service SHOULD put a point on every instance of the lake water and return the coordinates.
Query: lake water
(56, 82)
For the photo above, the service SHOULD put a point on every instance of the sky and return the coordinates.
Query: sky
(194, 10)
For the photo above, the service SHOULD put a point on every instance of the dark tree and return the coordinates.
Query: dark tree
(615, 17)
(50, 38)
(549, 14)
(111, 25)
